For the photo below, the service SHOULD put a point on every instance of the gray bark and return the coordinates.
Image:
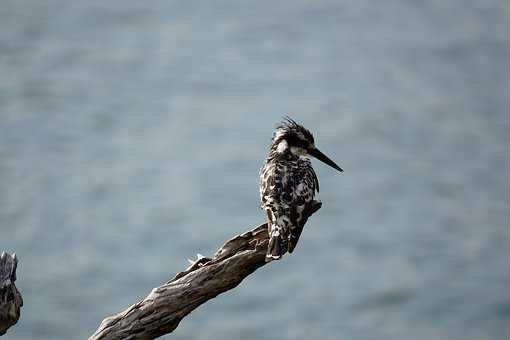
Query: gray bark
(162, 310)
(10, 298)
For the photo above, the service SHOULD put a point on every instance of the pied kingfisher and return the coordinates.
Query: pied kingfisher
(288, 185)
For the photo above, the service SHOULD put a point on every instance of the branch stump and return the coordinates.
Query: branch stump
(10, 298)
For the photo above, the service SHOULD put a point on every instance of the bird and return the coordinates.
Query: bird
(288, 184)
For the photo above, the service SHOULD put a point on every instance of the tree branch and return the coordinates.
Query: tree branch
(10, 298)
(162, 310)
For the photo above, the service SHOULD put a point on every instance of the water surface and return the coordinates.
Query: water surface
(131, 135)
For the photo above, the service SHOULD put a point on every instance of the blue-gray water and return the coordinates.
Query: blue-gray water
(131, 135)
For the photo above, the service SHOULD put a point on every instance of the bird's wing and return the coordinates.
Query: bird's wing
(303, 195)
(287, 196)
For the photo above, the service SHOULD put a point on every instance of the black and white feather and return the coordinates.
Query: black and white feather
(288, 185)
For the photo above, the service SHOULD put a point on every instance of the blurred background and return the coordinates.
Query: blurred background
(132, 133)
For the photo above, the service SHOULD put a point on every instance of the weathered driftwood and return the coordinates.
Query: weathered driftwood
(10, 298)
(162, 310)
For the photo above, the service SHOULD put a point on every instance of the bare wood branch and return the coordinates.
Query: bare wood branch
(162, 310)
(10, 298)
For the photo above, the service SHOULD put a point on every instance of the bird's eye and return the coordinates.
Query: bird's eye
(302, 144)
(297, 142)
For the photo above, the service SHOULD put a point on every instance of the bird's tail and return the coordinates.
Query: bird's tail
(276, 248)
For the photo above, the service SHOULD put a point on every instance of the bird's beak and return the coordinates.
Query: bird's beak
(323, 158)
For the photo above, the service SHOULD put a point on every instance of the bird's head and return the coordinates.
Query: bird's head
(291, 137)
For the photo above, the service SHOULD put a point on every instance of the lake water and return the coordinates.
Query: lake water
(132, 133)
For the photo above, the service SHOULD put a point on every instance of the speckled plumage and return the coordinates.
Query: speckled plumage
(288, 185)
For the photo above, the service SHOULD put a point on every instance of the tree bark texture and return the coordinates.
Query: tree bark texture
(162, 310)
(10, 298)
